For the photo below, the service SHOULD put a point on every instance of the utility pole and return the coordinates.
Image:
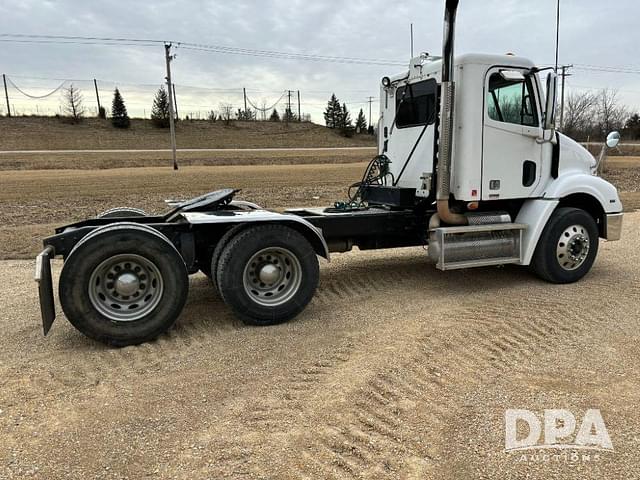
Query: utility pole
(299, 115)
(175, 100)
(172, 123)
(95, 84)
(6, 94)
(564, 75)
(244, 93)
(370, 101)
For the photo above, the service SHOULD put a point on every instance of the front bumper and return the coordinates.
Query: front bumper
(613, 227)
(45, 288)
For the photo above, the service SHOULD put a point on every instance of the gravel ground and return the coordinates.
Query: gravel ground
(395, 370)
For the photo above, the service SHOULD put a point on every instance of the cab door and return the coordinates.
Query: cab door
(511, 154)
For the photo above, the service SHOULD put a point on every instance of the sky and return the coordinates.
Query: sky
(593, 33)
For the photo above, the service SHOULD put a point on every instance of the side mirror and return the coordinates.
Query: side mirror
(550, 110)
(613, 139)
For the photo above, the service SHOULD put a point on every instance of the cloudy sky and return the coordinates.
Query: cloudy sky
(594, 34)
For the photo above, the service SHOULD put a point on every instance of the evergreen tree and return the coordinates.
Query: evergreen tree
(289, 116)
(333, 112)
(245, 115)
(73, 103)
(361, 123)
(633, 126)
(275, 116)
(160, 109)
(345, 118)
(119, 116)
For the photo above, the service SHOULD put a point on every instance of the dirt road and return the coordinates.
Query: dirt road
(395, 370)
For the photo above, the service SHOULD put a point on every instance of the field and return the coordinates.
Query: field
(48, 133)
(33, 202)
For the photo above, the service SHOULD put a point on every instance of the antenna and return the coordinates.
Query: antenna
(412, 40)
(557, 34)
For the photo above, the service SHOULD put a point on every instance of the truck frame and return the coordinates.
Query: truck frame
(475, 170)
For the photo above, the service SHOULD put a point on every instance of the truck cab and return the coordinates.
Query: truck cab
(506, 156)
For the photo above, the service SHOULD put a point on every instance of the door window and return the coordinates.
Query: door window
(512, 101)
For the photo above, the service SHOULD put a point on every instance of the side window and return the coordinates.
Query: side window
(512, 101)
(416, 104)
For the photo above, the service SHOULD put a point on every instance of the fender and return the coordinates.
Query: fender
(535, 214)
(573, 182)
(310, 231)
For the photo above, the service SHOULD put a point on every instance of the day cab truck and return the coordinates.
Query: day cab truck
(469, 163)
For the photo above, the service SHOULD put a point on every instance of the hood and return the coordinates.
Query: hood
(574, 156)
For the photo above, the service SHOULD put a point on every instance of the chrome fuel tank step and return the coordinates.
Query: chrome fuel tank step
(476, 245)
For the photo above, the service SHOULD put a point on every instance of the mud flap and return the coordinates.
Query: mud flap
(45, 288)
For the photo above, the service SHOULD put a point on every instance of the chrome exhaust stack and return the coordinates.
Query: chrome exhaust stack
(446, 120)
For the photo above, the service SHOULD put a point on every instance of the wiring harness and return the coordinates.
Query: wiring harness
(376, 173)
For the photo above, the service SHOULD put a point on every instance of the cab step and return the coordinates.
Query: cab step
(476, 245)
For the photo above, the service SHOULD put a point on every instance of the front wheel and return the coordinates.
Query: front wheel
(567, 247)
(123, 284)
(267, 274)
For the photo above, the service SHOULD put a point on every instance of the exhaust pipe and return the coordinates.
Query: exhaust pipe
(446, 121)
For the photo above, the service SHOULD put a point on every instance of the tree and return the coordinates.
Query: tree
(119, 116)
(344, 122)
(73, 103)
(212, 116)
(160, 109)
(245, 115)
(361, 123)
(289, 116)
(632, 126)
(226, 113)
(275, 116)
(333, 112)
(579, 114)
(611, 114)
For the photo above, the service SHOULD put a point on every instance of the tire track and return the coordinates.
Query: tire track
(377, 424)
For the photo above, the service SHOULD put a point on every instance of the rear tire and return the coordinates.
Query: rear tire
(217, 253)
(267, 274)
(123, 284)
(567, 247)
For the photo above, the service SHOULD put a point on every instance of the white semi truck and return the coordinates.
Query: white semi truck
(469, 163)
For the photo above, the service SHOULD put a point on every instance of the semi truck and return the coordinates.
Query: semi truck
(469, 164)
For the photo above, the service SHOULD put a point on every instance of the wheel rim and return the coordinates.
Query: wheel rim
(125, 287)
(272, 276)
(573, 247)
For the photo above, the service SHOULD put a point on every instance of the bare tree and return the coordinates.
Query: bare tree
(72, 103)
(226, 113)
(611, 115)
(579, 114)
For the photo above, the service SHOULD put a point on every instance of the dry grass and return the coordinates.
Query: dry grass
(32, 201)
(48, 133)
(104, 160)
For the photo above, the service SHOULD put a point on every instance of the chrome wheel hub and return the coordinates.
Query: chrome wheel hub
(573, 247)
(125, 287)
(272, 276)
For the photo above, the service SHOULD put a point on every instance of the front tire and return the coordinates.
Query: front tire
(267, 274)
(123, 284)
(567, 247)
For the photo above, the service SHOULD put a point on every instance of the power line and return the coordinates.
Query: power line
(222, 49)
